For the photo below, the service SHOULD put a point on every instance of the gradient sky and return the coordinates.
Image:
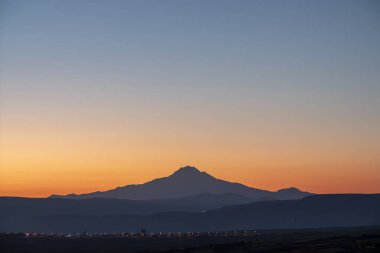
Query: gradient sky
(272, 94)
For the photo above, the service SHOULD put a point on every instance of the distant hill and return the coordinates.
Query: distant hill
(15, 206)
(317, 211)
(187, 181)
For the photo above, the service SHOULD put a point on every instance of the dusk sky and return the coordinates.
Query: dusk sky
(272, 94)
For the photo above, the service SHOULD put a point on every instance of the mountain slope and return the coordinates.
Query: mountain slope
(186, 181)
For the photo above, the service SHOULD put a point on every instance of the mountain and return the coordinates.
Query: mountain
(317, 211)
(187, 181)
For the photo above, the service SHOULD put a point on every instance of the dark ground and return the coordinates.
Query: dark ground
(332, 240)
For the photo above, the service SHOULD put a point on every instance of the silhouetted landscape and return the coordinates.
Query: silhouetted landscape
(191, 211)
(216, 206)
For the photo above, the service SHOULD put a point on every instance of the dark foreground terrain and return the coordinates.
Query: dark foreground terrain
(59, 216)
(365, 239)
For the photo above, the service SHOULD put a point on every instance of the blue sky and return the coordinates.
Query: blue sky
(239, 71)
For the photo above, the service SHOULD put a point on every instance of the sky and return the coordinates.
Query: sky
(273, 94)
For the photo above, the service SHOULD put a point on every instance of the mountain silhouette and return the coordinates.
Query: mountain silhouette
(187, 181)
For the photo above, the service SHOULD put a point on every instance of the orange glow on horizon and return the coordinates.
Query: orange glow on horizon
(82, 180)
(100, 152)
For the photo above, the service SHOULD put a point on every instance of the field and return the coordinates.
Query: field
(366, 239)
